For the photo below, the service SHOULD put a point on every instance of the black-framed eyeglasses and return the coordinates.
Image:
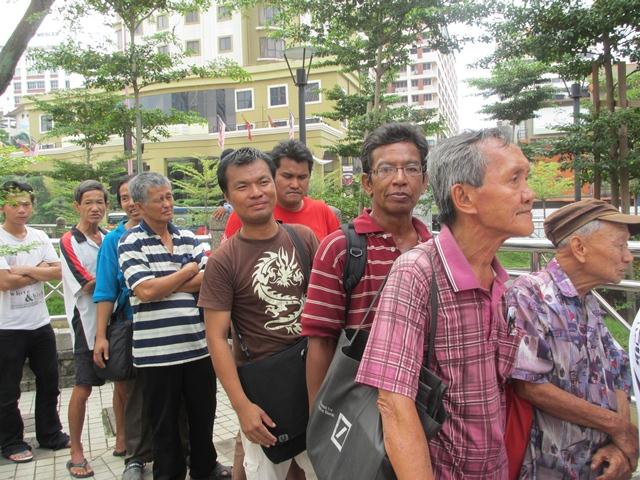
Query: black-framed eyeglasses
(386, 171)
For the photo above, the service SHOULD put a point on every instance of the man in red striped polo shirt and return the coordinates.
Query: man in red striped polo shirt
(394, 159)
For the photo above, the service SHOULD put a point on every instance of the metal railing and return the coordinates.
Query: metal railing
(539, 249)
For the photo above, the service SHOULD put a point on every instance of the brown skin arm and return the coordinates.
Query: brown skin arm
(43, 272)
(192, 285)
(12, 281)
(161, 287)
(101, 348)
(568, 407)
(319, 355)
(404, 438)
(253, 420)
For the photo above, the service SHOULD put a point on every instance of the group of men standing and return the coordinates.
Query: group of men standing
(546, 335)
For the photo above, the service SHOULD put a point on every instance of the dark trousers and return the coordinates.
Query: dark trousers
(165, 389)
(39, 346)
(136, 424)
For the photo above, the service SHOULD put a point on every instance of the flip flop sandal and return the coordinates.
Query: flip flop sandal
(22, 456)
(83, 464)
(221, 471)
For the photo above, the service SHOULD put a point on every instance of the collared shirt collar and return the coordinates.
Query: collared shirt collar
(81, 237)
(173, 230)
(457, 266)
(364, 223)
(561, 279)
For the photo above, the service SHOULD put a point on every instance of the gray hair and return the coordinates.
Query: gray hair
(140, 184)
(458, 160)
(584, 231)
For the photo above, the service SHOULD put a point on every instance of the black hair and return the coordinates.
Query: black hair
(13, 186)
(293, 149)
(88, 186)
(239, 157)
(391, 133)
(123, 181)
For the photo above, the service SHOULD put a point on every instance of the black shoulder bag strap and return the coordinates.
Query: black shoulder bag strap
(433, 298)
(354, 263)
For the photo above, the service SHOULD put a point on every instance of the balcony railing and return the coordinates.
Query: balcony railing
(539, 250)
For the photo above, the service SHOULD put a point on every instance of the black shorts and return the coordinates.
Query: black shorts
(82, 356)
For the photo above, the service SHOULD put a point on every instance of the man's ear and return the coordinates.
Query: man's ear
(76, 206)
(578, 248)
(462, 196)
(366, 183)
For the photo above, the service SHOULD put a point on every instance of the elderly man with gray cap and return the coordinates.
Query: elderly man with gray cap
(569, 367)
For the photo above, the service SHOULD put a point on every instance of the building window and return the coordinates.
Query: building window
(428, 97)
(278, 96)
(54, 84)
(162, 22)
(224, 44)
(399, 84)
(35, 85)
(118, 33)
(139, 30)
(192, 48)
(163, 49)
(415, 98)
(402, 99)
(312, 92)
(17, 72)
(16, 99)
(67, 84)
(267, 15)
(271, 47)
(426, 81)
(46, 123)
(414, 82)
(224, 13)
(414, 50)
(426, 66)
(17, 87)
(192, 17)
(244, 99)
(414, 69)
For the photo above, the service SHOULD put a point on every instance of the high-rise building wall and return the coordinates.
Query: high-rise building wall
(430, 81)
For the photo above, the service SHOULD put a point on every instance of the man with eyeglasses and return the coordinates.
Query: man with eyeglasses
(394, 159)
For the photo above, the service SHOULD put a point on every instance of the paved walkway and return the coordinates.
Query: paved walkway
(98, 440)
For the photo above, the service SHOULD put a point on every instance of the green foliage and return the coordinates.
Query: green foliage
(349, 199)
(519, 87)
(11, 164)
(547, 182)
(353, 108)
(199, 184)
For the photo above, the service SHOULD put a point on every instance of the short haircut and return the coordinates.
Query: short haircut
(89, 186)
(123, 181)
(13, 187)
(391, 133)
(140, 184)
(458, 160)
(584, 231)
(240, 157)
(293, 149)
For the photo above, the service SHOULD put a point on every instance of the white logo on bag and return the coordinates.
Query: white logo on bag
(340, 432)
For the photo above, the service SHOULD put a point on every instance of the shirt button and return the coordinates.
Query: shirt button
(393, 249)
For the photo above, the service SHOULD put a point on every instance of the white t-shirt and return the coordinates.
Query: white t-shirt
(25, 308)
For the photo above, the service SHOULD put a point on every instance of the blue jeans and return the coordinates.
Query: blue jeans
(39, 346)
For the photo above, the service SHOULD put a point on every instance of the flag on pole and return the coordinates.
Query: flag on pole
(221, 129)
(291, 130)
(247, 127)
(270, 120)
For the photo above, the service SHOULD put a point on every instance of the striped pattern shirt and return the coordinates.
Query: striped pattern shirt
(324, 310)
(168, 331)
(475, 351)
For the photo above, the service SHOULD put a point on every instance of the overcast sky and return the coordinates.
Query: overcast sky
(469, 103)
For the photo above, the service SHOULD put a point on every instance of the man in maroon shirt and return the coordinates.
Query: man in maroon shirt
(394, 160)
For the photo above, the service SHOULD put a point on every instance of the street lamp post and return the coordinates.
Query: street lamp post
(300, 80)
(576, 94)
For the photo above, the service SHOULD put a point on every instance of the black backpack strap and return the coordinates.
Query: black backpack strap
(302, 251)
(354, 262)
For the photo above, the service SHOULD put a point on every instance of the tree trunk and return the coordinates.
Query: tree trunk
(19, 39)
(595, 95)
(611, 106)
(87, 155)
(136, 99)
(623, 140)
(377, 93)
